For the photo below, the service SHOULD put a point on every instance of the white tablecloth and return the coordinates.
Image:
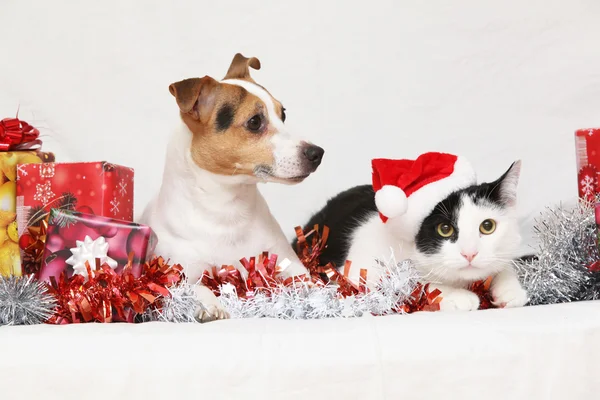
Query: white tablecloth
(548, 352)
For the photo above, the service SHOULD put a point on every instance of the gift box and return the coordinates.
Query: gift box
(99, 188)
(72, 238)
(587, 142)
(10, 259)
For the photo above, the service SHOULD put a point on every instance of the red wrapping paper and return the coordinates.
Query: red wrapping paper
(587, 143)
(123, 238)
(97, 188)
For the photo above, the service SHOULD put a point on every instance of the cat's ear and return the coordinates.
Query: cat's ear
(506, 186)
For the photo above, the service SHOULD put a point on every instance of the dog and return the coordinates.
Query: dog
(209, 211)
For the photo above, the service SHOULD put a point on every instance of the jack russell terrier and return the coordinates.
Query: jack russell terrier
(209, 211)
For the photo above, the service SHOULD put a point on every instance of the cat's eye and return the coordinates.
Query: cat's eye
(487, 227)
(445, 230)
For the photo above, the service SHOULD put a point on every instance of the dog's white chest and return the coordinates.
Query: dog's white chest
(199, 241)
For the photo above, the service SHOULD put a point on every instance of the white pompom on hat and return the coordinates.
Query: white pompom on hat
(412, 188)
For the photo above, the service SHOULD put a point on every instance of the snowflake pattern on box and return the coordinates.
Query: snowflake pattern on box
(588, 183)
(94, 190)
(587, 145)
(114, 204)
(43, 192)
(21, 171)
(123, 187)
(47, 170)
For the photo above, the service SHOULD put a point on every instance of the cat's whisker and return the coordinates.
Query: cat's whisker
(445, 211)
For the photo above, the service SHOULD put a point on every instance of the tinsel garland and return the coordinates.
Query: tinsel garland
(179, 306)
(565, 268)
(325, 293)
(397, 292)
(104, 295)
(24, 301)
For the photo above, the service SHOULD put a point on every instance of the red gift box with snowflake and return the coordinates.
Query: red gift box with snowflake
(72, 238)
(587, 142)
(99, 188)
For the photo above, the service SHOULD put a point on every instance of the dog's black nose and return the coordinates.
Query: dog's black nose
(314, 154)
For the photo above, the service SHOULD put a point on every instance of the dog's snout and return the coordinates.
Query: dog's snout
(314, 154)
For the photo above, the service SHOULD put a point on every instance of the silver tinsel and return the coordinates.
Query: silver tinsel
(567, 247)
(179, 307)
(24, 301)
(314, 302)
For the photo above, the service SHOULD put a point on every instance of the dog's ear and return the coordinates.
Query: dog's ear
(195, 96)
(240, 67)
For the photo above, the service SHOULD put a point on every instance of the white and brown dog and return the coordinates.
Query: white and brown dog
(209, 211)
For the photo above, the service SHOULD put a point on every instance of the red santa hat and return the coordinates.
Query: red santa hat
(411, 188)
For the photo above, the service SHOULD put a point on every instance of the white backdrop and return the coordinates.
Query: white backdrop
(362, 79)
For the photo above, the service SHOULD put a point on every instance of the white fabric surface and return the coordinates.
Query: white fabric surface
(546, 352)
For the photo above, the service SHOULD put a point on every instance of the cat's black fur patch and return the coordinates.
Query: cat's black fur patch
(490, 192)
(445, 212)
(428, 241)
(342, 214)
(224, 117)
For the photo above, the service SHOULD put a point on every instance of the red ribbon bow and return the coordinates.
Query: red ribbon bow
(18, 135)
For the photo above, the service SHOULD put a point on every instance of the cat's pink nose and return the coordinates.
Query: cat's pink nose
(469, 256)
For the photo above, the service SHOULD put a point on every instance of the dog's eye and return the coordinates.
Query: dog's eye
(255, 123)
(283, 114)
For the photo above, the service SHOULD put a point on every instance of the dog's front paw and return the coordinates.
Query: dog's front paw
(209, 307)
(210, 313)
(509, 294)
(459, 300)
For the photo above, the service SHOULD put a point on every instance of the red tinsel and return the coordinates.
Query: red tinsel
(422, 299)
(107, 293)
(309, 254)
(264, 273)
(482, 290)
(18, 135)
(261, 275)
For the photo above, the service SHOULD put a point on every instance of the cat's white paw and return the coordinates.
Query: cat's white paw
(459, 300)
(210, 308)
(509, 294)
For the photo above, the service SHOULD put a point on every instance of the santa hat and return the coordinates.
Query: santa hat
(411, 188)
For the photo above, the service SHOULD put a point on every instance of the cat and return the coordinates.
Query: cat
(470, 235)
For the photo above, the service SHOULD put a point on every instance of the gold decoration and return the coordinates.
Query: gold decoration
(38, 235)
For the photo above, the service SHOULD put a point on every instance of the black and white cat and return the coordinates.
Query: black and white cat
(471, 234)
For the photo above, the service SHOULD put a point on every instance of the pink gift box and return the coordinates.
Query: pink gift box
(65, 228)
